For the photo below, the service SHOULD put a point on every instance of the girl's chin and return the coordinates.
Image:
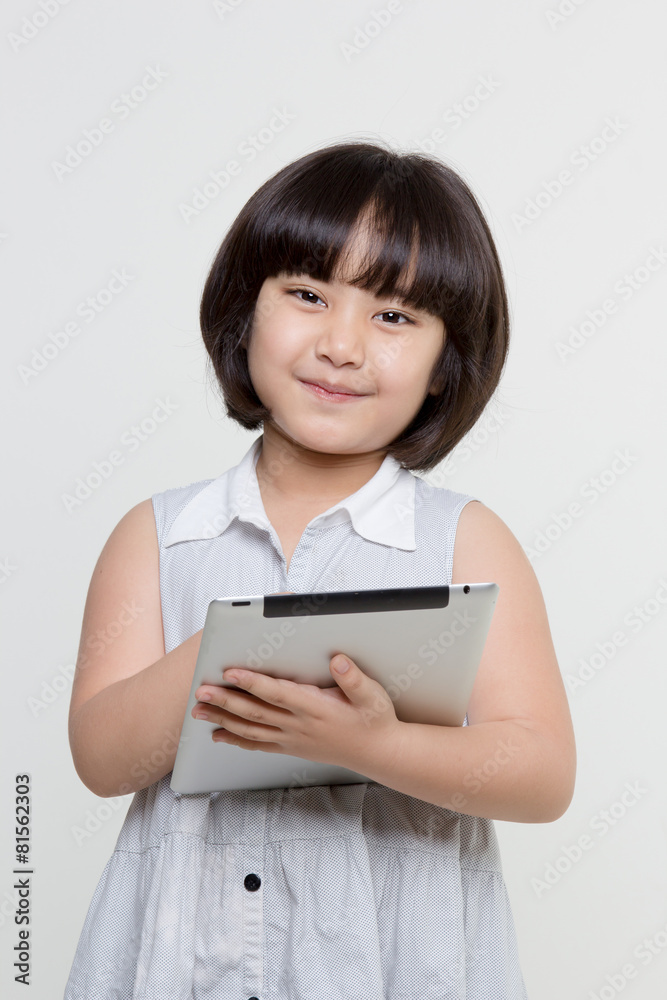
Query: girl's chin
(328, 440)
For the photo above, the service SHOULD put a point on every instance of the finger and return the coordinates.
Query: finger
(221, 736)
(361, 689)
(247, 736)
(229, 705)
(238, 701)
(284, 694)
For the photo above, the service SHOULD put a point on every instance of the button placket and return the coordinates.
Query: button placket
(252, 873)
(296, 575)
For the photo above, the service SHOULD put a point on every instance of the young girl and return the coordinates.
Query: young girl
(355, 311)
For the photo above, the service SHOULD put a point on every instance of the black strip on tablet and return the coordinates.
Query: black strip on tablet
(343, 602)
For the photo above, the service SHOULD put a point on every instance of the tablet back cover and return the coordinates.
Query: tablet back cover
(422, 644)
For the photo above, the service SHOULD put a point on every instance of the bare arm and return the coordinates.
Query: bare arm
(516, 760)
(128, 697)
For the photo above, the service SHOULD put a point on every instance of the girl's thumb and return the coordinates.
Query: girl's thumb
(341, 663)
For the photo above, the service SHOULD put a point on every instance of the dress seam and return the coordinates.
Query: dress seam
(291, 840)
(227, 843)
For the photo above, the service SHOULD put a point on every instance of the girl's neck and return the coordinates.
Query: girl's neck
(288, 472)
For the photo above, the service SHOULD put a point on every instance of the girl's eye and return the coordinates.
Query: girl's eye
(304, 291)
(392, 312)
(298, 292)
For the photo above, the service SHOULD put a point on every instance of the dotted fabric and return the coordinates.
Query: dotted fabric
(363, 891)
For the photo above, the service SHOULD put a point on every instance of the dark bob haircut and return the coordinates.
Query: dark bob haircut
(424, 222)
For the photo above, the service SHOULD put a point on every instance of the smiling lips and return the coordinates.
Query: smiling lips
(334, 393)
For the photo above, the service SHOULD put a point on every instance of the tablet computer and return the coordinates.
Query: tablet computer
(423, 644)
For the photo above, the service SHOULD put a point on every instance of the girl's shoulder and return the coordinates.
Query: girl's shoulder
(484, 543)
(436, 493)
(487, 548)
(176, 502)
(175, 493)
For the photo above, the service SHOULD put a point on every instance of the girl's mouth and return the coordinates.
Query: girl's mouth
(334, 397)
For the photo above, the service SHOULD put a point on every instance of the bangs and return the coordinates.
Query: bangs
(411, 248)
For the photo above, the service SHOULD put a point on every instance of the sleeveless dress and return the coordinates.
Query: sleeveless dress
(335, 892)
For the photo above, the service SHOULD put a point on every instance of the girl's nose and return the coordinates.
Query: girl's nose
(341, 342)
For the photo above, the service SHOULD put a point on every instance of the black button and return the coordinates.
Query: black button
(253, 998)
(252, 883)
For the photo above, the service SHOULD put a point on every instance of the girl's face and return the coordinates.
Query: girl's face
(308, 331)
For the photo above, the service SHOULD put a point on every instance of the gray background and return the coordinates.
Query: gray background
(220, 72)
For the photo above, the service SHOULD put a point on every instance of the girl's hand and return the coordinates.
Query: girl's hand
(349, 725)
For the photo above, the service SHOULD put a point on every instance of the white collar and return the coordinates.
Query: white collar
(382, 510)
